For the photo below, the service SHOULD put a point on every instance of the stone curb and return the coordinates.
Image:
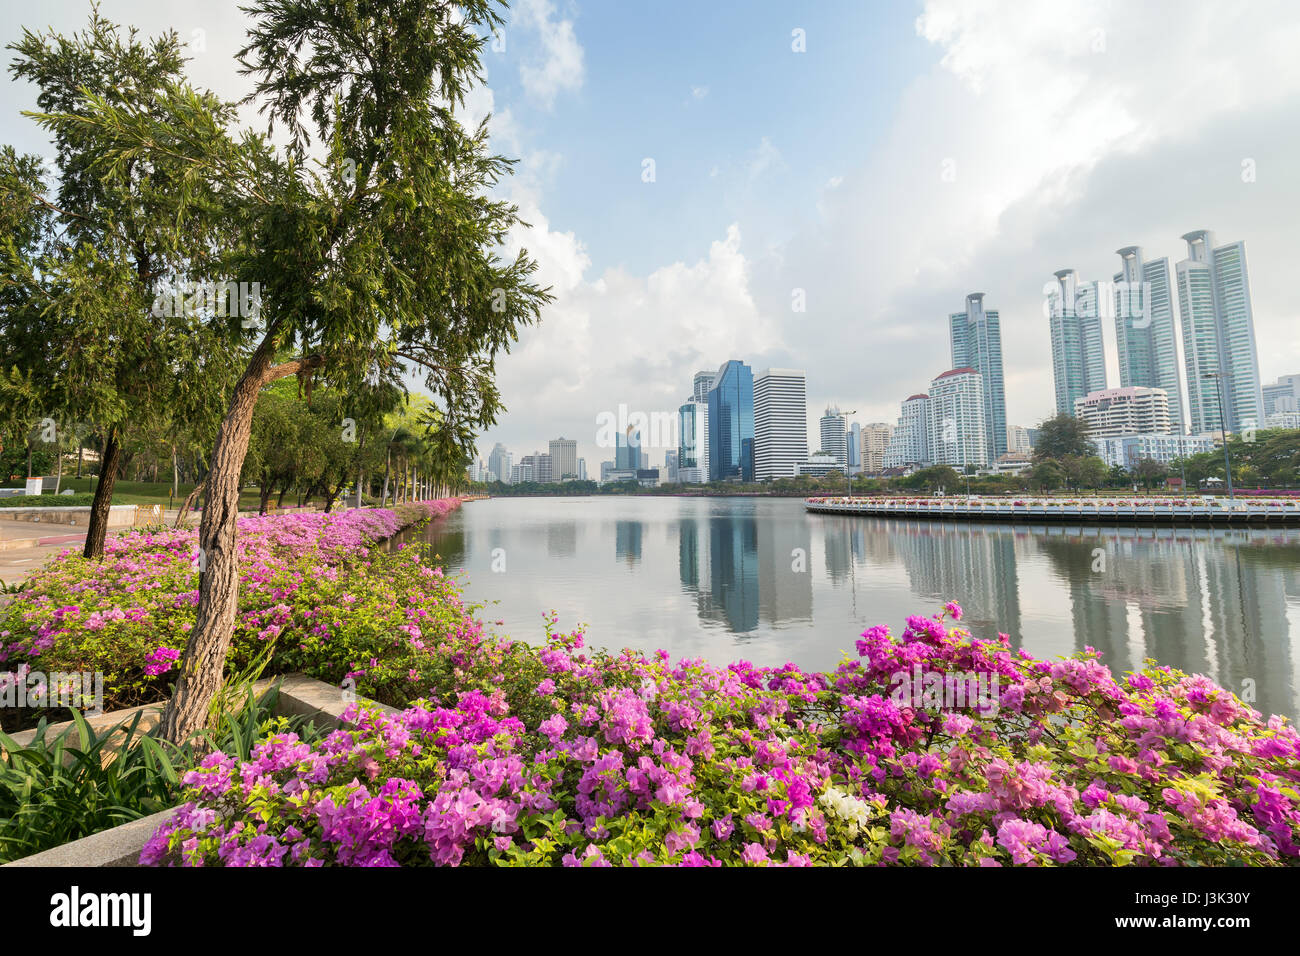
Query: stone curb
(300, 695)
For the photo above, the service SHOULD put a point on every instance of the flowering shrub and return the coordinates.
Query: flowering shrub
(547, 755)
(129, 616)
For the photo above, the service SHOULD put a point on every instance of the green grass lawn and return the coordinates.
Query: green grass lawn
(130, 493)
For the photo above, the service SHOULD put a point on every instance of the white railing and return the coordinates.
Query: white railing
(1123, 509)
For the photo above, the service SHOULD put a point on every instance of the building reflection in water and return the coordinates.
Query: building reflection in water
(1210, 602)
(743, 571)
(627, 541)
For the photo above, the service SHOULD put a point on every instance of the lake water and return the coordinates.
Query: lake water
(762, 580)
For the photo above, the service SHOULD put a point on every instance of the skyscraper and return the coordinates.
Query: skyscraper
(977, 344)
(627, 449)
(1144, 330)
(780, 422)
(1124, 411)
(1282, 396)
(958, 436)
(1218, 335)
(500, 462)
(693, 442)
(910, 443)
(564, 458)
(703, 382)
(833, 436)
(731, 423)
(874, 440)
(1078, 353)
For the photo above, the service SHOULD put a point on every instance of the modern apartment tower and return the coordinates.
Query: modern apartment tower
(700, 387)
(627, 449)
(1078, 353)
(693, 442)
(731, 423)
(958, 436)
(1218, 336)
(1144, 330)
(910, 443)
(977, 344)
(500, 462)
(564, 458)
(873, 441)
(780, 422)
(1124, 411)
(834, 439)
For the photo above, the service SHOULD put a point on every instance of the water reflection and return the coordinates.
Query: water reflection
(695, 576)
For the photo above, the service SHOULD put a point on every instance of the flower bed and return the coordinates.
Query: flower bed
(550, 756)
(128, 616)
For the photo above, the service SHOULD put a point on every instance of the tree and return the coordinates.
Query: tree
(1047, 475)
(1150, 472)
(99, 352)
(1061, 436)
(383, 260)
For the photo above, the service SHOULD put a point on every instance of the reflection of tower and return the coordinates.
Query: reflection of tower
(688, 553)
(627, 540)
(784, 577)
(734, 569)
(1099, 622)
(835, 547)
(562, 539)
(1248, 611)
(974, 565)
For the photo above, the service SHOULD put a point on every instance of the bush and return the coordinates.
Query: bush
(128, 616)
(549, 756)
(80, 782)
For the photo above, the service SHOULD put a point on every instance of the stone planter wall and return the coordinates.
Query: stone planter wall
(299, 696)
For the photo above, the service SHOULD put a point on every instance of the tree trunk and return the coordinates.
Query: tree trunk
(176, 473)
(203, 664)
(388, 464)
(192, 497)
(97, 530)
(80, 450)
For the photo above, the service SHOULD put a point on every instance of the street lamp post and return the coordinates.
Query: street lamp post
(848, 465)
(1223, 427)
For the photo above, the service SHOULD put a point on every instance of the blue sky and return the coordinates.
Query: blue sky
(699, 88)
(914, 152)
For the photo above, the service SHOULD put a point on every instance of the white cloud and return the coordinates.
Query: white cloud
(699, 92)
(560, 68)
(1041, 113)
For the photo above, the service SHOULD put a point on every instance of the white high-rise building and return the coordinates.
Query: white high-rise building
(977, 344)
(693, 442)
(701, 386)
(564, 458)
(780, 422)
(910, 444)
(1218, 336)
(957, 431)
(500, 463)
(1078, 352)
(873, 443)
(1282, 396)
(1145, 339)
(833, 438)
(1124, 411)
(1018, 440)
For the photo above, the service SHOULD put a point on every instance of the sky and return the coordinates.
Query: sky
(691, 173)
